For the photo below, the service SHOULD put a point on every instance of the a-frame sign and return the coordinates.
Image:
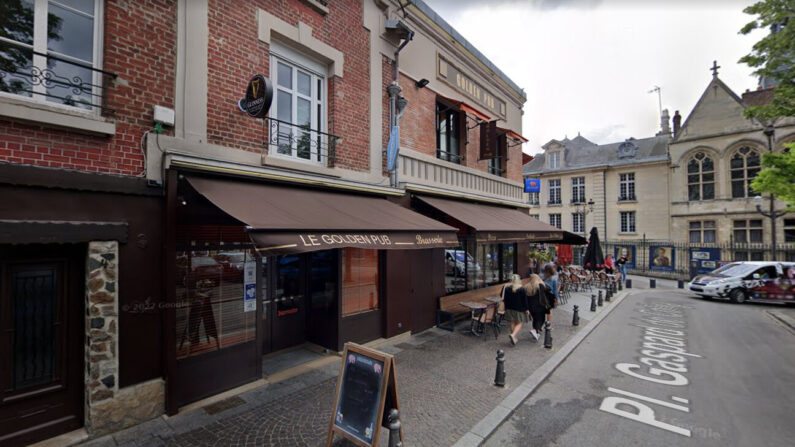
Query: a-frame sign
(366, 391)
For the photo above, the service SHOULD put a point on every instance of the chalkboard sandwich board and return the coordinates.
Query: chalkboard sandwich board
(366, 385)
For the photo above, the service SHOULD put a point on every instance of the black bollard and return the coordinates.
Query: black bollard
(593, 303)
(619, 285)
(600, 301)
(548, 335)
(629, 284)
(499, 376)
(652, 283)
(680, 284)
(394, 429)
(575, 320)
(609, 294)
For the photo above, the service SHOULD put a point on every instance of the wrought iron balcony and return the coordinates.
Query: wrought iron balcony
(58, 79)
(301, 141)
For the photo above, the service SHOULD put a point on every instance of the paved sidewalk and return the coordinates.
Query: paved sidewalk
(445, 384)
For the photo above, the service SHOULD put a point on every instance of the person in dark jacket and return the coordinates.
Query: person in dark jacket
(516, 309)
(537, 303)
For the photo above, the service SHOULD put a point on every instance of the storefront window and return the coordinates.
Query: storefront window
(212, 311)
(508, 261)
(359, 280)
(457, 263)
(491, 262)
(288, 286)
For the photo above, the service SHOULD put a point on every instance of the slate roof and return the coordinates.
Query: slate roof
(585, 154)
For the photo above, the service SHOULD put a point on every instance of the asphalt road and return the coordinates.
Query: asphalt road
(716, 373)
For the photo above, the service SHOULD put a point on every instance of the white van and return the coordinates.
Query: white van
(744, 281)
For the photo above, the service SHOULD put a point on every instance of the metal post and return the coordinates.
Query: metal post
(593, 303)
(548, 335)
(394, 429)
(609, 294)
(575, 320)
(652, 283)
(600, 302)
(629, 284)
(680, 284)
(499, 375)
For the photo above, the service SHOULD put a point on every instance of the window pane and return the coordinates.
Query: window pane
(693, 192)
(70, 33)
(695, 225)
(709, 224)
(738, 174)
(304, 83)
(709, 191)
(86, 6)
(491, 260)
(692, 178)
(757, 256)
(708, 177)
(706, 165)
(753, 159)
(15, 71)
(284, 74)
(359, 280)
(319, 89)
(789, 235)
(508, 259)
(739, 224)
(740, 256)
(738, 188)
(695, 237)
(739, 236)
(756, 236)
(737, 162)
(304, 113)
(284, 107)
(71, 86)
(692, 166)
(709, 236)
(755, 223)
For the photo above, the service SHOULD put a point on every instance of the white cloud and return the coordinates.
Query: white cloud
(589, 66)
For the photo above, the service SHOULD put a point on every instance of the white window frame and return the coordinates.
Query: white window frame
(554, 197)
(40, 11)
(554, 160)
(283, 53)
(577, 223)
(627, 222)
(555, 220)
(626, 186)
(578, 190)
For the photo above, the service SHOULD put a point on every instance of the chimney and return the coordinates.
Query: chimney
(677, 123)
(665, 128)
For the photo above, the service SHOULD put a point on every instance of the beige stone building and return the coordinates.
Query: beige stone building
(684, 188)
(714, 156)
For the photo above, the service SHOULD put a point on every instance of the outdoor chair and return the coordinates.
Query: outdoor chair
(489, 318)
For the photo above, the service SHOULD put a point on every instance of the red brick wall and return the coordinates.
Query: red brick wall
(235, 54)
(145, 66)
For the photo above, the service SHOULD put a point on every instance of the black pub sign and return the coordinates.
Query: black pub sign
(259, 95)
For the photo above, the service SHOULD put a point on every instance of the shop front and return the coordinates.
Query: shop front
(262, 267)
(493, 241)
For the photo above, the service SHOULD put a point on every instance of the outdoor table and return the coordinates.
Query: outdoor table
(493, 299)
(477, 310)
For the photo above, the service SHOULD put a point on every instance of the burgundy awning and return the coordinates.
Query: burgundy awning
(500, 224)
(284, 219)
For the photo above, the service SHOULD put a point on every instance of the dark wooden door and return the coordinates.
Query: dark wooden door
(41, 350)
(427, 276)
(288, 320)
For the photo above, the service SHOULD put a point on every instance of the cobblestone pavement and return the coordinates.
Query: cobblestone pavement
(445, 386)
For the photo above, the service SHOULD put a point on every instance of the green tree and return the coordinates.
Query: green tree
(773, 56)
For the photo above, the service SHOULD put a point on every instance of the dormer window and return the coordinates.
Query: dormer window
(627, 149)
(554, 160)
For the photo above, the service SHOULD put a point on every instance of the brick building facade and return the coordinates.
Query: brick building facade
(189, 248)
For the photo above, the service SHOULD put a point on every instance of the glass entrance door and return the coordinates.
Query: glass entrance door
(289, 307)
(323, 313)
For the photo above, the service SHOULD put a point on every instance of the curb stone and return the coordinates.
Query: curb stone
(483, 429)
(784, 318)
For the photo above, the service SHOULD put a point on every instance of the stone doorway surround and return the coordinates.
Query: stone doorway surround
(109, 408)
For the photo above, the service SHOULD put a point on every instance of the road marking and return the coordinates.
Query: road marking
(680, 399)
(651, 400)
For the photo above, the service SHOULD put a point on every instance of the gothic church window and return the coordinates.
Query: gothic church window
(744, 167)
(700, 178)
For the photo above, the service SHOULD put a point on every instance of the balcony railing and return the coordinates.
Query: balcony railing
(448, 156)
(429, 171)
(70, 83)
(302, 142)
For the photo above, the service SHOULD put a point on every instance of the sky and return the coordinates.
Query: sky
(587, 66)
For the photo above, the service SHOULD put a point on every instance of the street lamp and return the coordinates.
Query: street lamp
(584, 210)
(773, 214)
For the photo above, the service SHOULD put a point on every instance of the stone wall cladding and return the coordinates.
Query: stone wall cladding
(146, 71)
(236, 54)
(109, 408)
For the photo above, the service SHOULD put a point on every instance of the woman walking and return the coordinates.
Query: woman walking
(516, 309)
(551, 281)
(537, 303)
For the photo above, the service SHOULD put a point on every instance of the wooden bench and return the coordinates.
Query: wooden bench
(450, 311)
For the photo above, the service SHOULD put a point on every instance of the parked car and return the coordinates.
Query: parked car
(748, 281)
(232, 264)
(454, 263)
